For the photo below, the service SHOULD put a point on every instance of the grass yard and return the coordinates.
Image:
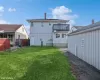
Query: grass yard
(34, 63)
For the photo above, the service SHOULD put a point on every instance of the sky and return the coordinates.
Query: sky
(79, 12)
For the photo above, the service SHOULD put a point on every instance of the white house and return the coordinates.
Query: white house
(74, 28)
(13, 32)
(48, 32)
(85, 44)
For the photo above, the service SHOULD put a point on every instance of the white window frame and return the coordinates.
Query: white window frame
(63, 35)
(57, 35)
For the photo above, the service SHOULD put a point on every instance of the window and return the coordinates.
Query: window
(18, 36)
(57, 35)
(42, 24)
(63, 35)
(49, 24)
(10, 37)
(32, 24)
(5, 35)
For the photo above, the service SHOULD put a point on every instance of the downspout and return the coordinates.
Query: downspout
(52, 36)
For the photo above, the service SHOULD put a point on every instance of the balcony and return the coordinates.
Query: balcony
(61, 27)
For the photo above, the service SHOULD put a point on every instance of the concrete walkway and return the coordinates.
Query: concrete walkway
(81, 69)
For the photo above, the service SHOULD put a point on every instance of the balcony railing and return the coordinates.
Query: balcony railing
(61, 27)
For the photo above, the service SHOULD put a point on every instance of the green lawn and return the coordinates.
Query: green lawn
(34, 63)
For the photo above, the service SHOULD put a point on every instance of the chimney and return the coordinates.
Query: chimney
(45, 16)
(92, 21)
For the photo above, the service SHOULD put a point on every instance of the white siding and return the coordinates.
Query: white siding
(60, 39)
(86, 46)
(42, 31)
(38, 28)
(22, 32)
(45, 38)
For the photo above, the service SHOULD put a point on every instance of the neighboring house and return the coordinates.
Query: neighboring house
(48, 32)
(13, 32)
(85, 44)
(74, 28)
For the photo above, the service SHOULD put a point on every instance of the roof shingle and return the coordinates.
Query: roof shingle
(9, 27)
(91, 26)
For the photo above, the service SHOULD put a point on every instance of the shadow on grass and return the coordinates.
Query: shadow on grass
(33, 49)
(25, 50)
(49, 67)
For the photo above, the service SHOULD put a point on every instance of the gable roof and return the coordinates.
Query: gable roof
(9, 27)
(87, 28)
(47, 20)
(78, 27)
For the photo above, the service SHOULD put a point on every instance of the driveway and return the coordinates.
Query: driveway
(81, 69)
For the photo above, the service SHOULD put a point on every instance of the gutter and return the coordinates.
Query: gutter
(30, 20)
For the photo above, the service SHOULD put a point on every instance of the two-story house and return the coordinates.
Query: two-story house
(48, 32)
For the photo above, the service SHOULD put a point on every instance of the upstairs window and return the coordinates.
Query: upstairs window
(57, 35)
(49, 24)
(42, 24)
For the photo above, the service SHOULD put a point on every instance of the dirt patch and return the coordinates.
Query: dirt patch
(81, 69)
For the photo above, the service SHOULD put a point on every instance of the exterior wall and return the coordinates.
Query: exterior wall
(86, 46)
(37, 28)
(41, 31)
(60, 42)
(36, 39)
(22, 32)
